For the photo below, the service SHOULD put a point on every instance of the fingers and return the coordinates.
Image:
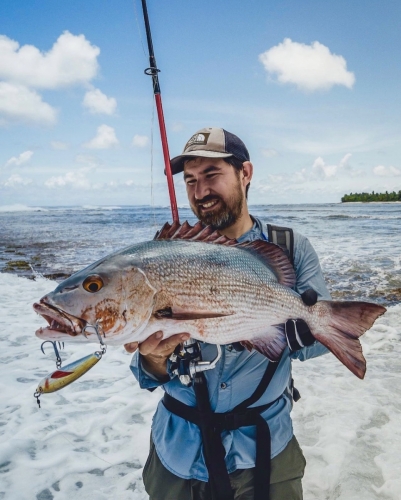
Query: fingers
(156, 346)
(131, 347)
(171, 343)
(149, 345)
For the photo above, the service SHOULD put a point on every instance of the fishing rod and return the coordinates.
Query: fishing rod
(153, 72)
(187, 361)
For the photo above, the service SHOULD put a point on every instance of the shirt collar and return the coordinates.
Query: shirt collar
(255, 233)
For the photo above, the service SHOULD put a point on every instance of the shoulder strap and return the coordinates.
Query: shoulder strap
(283, 237)
(261, 388)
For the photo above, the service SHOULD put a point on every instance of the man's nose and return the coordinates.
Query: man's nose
(201, 190)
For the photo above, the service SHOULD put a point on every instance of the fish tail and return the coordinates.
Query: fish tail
(347, 321)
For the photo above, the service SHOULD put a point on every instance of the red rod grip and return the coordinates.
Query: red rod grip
(166, 155)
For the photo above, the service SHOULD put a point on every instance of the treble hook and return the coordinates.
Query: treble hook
(60, 345)
(97, 326)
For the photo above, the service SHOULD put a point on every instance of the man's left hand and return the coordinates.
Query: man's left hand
(298, 334)
(296, 330)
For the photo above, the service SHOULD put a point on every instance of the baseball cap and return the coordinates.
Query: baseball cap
(210, 142)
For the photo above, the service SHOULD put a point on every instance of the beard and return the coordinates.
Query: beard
(226, 215)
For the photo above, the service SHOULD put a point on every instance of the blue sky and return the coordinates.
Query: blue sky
(311, 87)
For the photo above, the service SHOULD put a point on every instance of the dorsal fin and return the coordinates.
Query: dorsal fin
(274, 257)
(198, 232)
(269, 253)
(167, 231)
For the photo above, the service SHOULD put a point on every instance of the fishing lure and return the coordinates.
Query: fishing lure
(64, 376)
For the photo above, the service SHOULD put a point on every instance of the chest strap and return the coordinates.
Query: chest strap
(212, 424)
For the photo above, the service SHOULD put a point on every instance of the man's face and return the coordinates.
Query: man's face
(215, 191)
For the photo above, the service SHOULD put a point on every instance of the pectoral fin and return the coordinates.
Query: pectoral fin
(271, 343)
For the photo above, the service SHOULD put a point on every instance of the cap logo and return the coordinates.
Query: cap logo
(197, 140)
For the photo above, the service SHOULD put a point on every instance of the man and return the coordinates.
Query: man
(217, 173)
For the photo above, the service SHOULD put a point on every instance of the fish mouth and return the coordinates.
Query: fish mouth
(59, 321)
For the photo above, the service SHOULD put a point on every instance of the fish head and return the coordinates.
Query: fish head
(113, 297)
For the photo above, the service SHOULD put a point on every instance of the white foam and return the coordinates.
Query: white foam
(90, 440)
(101, 207)
(21, 208)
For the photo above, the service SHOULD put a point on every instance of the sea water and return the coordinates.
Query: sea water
(90, 440)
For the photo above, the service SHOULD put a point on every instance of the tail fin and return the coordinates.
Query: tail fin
(347, 322)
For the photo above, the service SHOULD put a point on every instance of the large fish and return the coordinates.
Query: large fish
(192, 279)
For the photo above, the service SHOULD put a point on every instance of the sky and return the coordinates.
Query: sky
(311, 87)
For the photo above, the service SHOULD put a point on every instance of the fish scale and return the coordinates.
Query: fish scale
(247, 291)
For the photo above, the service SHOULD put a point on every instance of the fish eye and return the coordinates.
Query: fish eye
(93, 283)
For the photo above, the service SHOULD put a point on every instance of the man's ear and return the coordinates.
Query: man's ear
(247, 172)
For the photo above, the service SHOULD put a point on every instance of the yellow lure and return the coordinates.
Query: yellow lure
(67, 374)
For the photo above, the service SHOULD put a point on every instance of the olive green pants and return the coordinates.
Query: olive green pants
(287, 470)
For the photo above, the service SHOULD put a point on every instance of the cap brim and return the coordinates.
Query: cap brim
(177, 163)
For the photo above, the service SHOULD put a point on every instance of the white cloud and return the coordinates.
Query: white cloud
(140, 141)
(19, 160)
(59, 146)
(22, 104)
(89, 162)
(323, 171)
(344, 160)
(269, 153)
(383, 171)
(309, 67)
(72, 60)
(70, 179)
(104, 139)
(98, 103)
(320, 169)
(78, 180)
(16, 180)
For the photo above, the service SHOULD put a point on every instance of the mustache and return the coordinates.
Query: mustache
(206, 199)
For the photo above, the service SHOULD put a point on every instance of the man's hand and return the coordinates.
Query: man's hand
(296, 330)
(298, 334)
(155, 351)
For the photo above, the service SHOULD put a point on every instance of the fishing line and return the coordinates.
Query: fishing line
(139, 30)
(152, 201)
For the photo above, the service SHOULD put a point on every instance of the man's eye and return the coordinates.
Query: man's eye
(190, 182)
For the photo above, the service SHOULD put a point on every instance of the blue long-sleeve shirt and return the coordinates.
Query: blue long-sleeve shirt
(235, 378)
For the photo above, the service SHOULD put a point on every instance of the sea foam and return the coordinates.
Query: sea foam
(90, 440)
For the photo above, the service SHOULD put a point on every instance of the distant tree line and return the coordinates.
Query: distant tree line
(393, 196)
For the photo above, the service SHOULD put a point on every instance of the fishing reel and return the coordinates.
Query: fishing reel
(186, 361)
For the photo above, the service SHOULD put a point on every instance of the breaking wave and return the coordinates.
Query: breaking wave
(21, 208)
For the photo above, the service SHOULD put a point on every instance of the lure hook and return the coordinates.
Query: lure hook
(54, 344)
(97, 326)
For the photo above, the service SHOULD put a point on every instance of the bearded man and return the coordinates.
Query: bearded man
(181, 465)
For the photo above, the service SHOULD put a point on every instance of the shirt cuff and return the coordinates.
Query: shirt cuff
(312, 351)
(146, 380)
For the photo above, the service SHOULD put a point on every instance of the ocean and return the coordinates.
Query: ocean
(90, 440)
(358, 243)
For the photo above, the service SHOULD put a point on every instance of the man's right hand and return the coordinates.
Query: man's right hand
(155, 351)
